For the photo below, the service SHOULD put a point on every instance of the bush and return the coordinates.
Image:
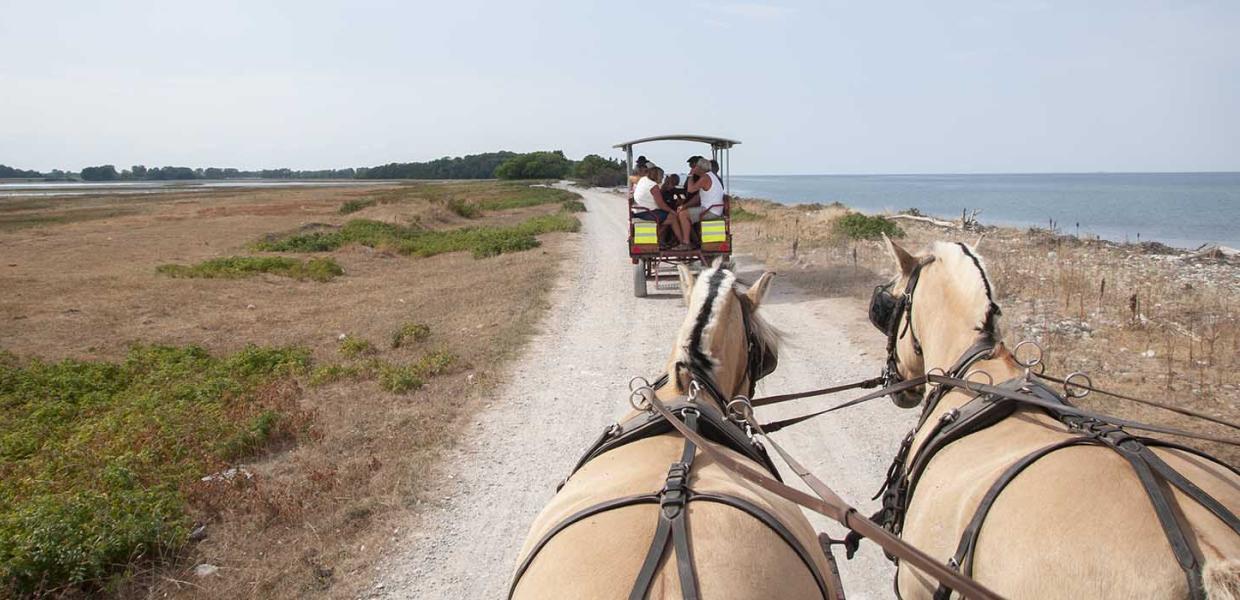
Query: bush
(598, 171)
(236, 267)
(481, 241)
(95, 456)
(416, 332)
(352, 347)
(535, 165)
(740, 215)
(353, 206)
(462, 208)
(857, 226)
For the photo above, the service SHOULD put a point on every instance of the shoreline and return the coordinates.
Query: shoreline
(1149, 246)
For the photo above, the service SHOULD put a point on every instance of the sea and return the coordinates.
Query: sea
(1183, 210)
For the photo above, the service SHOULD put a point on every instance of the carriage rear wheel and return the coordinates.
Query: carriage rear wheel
(639, 278)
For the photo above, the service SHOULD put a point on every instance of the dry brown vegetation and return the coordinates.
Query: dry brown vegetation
(313, 512)
(1138, 320)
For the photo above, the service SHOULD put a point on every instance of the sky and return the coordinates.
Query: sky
(808, 87)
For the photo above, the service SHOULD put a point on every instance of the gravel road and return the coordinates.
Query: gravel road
(571, 382)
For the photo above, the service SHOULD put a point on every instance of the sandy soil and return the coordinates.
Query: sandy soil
(571, 382)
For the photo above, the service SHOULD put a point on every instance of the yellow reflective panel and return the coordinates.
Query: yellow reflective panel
(714, 231)
(645, 233)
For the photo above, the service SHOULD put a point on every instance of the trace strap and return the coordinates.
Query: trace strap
(830, 505)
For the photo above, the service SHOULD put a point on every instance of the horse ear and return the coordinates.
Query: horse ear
(902, 257)
(757, 291)
(717, 263)
(686, 282)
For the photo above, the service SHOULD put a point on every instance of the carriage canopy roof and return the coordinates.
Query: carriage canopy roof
(715, 142)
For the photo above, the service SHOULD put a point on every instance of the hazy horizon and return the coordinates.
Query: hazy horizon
(1025, 87)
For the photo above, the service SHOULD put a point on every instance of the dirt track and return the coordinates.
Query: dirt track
(571, 382)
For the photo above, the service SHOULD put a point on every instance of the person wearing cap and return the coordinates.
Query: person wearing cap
(705, 196)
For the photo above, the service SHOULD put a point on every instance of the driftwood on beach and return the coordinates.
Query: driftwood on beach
(1212, 251)
(968, 220)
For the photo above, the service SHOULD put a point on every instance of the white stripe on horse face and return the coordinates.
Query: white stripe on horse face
(697, 305)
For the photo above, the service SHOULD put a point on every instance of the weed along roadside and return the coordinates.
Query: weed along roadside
(194, 412)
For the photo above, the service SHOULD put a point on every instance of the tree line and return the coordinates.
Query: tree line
(593, 169)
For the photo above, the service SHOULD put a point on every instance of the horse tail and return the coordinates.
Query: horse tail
(1222, 579)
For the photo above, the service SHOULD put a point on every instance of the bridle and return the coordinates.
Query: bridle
(761, 360)
(886, 313)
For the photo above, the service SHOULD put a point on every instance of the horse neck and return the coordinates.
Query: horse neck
(943, 344)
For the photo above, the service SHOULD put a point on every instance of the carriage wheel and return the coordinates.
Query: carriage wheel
(639, 278)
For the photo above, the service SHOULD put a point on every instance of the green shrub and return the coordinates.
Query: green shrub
(353, 206)
(535, 165)
(415, 332)
(236, 267)
(857, 226)
(332, 373)
(352, 346)
(514, 196)
(481, 241)
(94, 455)
(573, 206)
(463, 208)
(740, 215)
(399, 380)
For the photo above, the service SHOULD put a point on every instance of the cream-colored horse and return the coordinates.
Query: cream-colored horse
(1076, 523)
(734, 555)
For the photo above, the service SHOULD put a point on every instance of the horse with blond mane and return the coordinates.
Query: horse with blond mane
(645, 516)
(1032, 502)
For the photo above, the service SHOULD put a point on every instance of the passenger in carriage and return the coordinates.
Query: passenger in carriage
(648, 197)
(705, 197)
(671, 189)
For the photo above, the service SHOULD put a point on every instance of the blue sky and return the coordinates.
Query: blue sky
(813, 87)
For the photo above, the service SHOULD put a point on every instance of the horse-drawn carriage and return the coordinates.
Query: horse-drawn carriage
(648, 247)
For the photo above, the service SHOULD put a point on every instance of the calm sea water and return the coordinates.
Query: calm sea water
(1177, 209)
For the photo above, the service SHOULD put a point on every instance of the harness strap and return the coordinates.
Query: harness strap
(572, 519)
(774, 426)
(672, 525)
(963, 559)
(865, 383)
(831, 507)
(774, 525)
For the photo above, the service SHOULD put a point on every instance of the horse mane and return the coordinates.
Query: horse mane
(692, 352)
(968, 272)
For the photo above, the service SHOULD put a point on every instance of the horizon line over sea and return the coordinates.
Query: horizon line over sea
(1181, 209)
(985, 173)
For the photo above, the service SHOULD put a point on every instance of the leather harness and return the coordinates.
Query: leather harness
(676, 494)
(992, 404)
(999, 402)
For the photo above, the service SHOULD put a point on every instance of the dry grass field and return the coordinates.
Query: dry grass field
(1140, 320)
(270, 415)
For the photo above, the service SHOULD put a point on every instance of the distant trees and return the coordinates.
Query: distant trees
(473, 166)
(535, 165)
(100, 173)
(7, 172)
(596, 170)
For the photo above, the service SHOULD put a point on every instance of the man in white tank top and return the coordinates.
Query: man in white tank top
(708, 204)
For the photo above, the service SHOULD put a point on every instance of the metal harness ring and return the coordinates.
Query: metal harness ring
(639, 401)
(739, 409)
(990, 381)
(1082, 390)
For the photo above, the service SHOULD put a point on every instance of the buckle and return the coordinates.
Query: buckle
(672, 497)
